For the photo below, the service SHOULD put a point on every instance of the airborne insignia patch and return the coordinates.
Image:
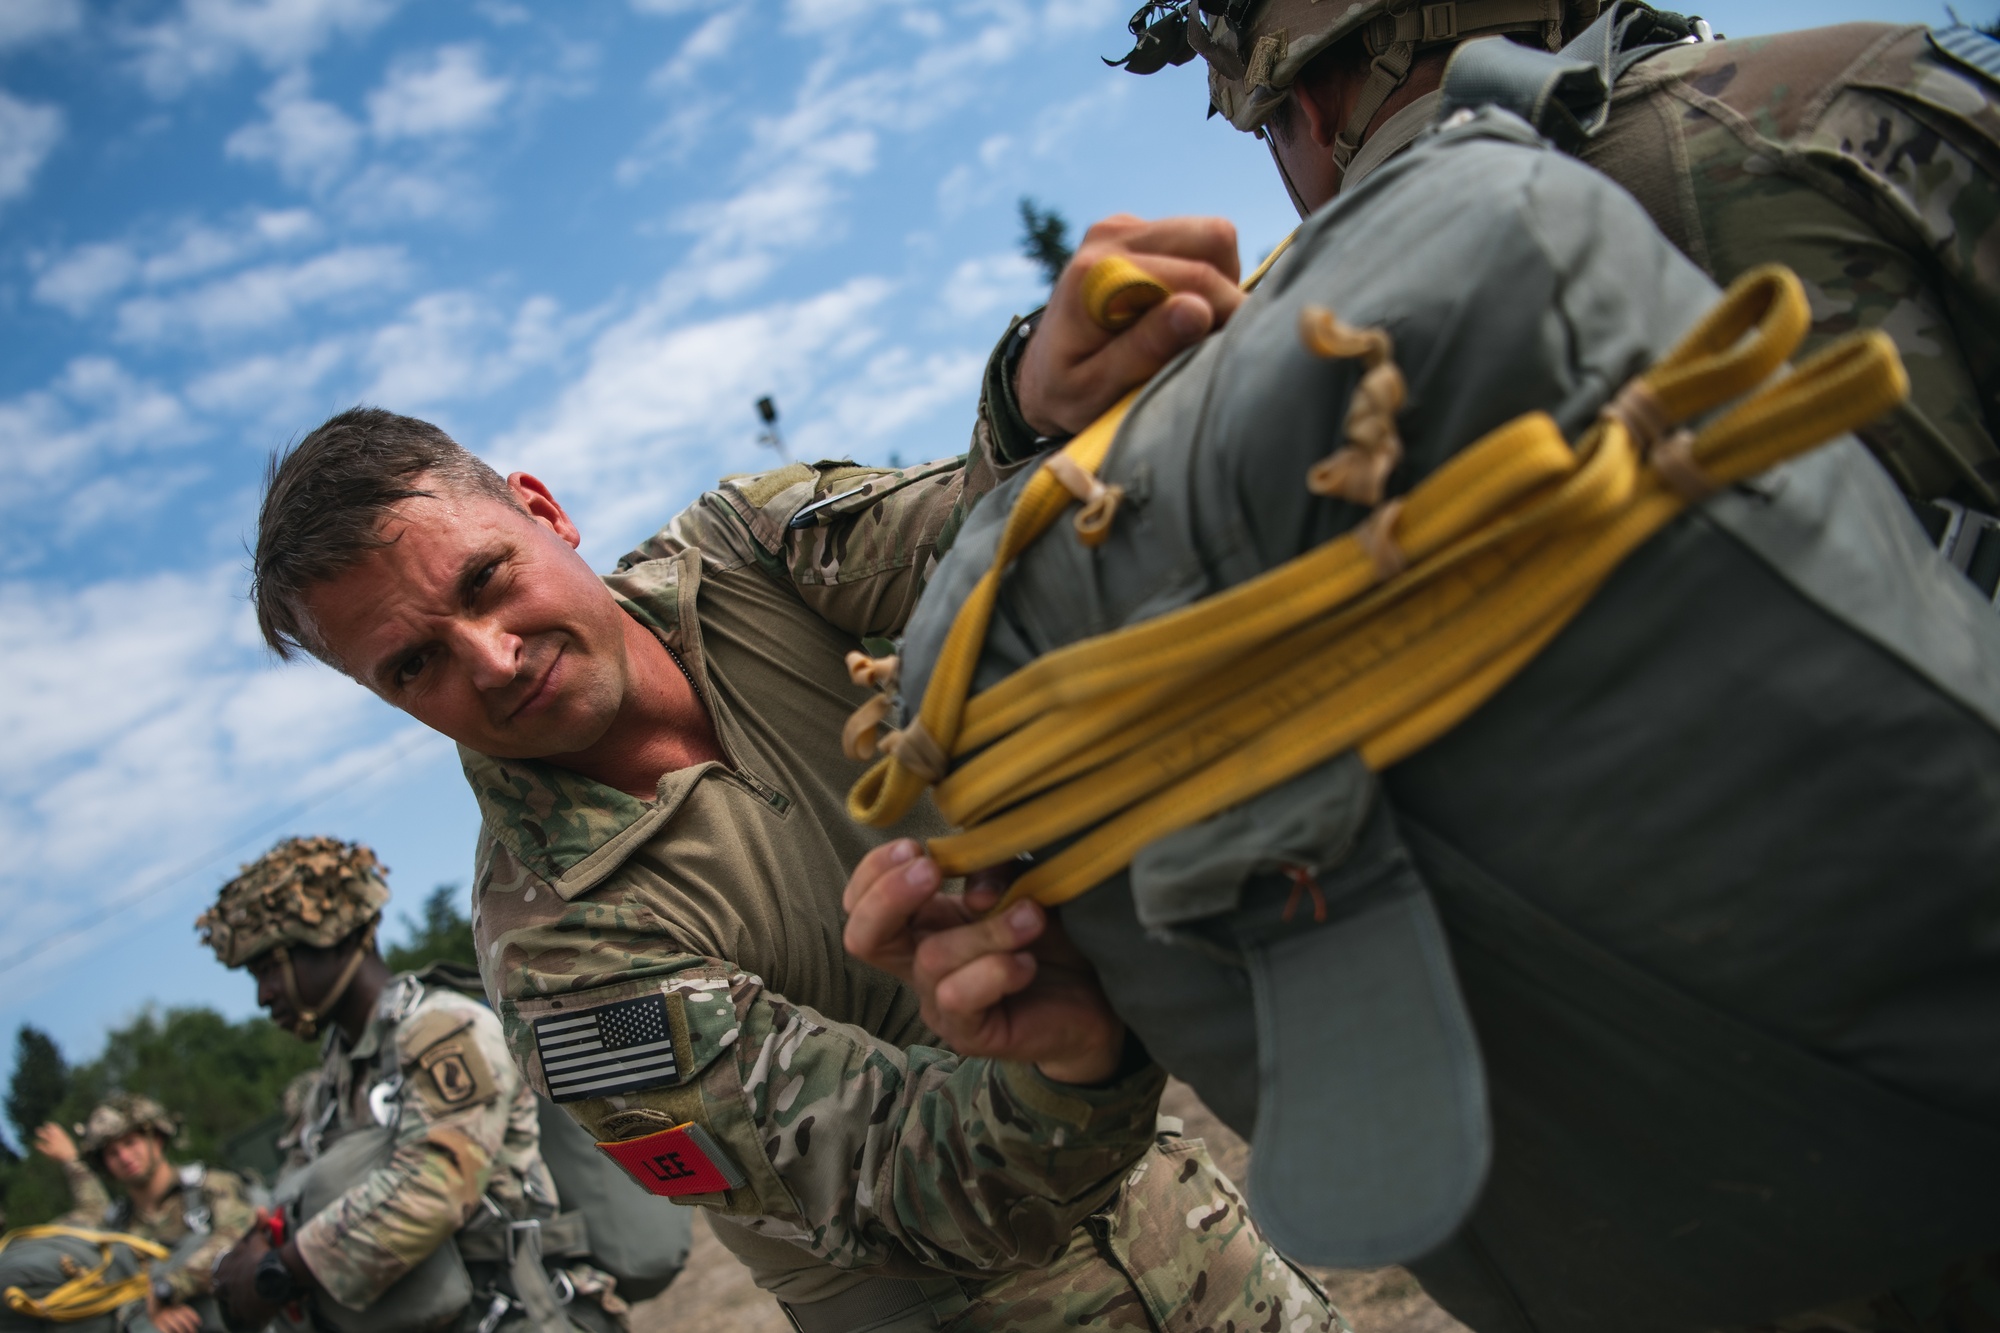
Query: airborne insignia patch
(458, 1076)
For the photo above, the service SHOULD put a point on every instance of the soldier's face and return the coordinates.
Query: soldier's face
(480, 620)
(131, 1157)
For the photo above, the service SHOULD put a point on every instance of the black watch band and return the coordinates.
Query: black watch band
(273, 1281)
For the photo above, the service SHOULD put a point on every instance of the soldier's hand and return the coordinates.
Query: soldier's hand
(1010, 987)
(53, 1142)
(1072, 370)
(236, 1283)
(174, 1318)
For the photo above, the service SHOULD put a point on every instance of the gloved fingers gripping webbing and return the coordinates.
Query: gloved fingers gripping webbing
(85, 1295)
(1161, 724)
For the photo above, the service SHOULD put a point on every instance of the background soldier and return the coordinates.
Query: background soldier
(1864, 157)
(425, 1061)
(196, 1211)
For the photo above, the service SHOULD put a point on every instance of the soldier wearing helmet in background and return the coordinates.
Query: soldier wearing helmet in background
(1865, 157)
(424, 1062)
(196, 1211)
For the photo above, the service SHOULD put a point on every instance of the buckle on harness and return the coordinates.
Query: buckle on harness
(1441, 21)
(1969, 540)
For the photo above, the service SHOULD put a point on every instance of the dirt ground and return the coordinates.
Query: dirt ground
(715, 1295)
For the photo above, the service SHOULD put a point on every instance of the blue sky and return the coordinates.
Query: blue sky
(584, 237)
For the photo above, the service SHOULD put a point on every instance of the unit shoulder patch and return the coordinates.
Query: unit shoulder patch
(674, 1162)
(455, 1075)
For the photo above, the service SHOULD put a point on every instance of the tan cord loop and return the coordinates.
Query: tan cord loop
(857, 738)
(1638, 409)
(914, 748)
(1100, 502)
(1668, 451)
(874, 673)
(1370, 445)
(1377, 535)
(1673, 458)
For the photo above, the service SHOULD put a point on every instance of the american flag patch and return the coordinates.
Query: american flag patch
(616, 1048)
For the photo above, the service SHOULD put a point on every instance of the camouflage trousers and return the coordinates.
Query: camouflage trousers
(1963, 1299)
(1151, 1262)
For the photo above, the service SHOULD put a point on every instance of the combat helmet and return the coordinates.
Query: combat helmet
(304, 891)
(120, 1114)
(1256, 48)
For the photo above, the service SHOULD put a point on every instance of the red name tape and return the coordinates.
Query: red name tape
(681, 1160)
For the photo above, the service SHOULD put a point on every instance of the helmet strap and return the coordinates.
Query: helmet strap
(1385, 75)
(309, 1015)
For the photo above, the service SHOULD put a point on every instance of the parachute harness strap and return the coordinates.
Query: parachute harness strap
(86, 1294)
(1117, 740)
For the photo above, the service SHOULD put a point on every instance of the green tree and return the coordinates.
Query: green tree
(40, 1082)
(219, 1077)
(444, 934)
(1045, 239)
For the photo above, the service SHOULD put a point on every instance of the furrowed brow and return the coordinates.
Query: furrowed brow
(469, 572)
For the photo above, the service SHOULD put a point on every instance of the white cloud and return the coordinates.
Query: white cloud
(143, 720)
(28, 134)
(24, 21)
(207, 37)
(708, 43)
(981, 286)
(663, 405)
(86, 275)
(271, 385)
(80, 280)
(448, 94)
(95, 410)
(450, 345)
(266, 296)
(310, 142)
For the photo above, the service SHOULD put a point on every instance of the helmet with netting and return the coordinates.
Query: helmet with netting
(304, 891)
(1256, 48)
(120, 1114)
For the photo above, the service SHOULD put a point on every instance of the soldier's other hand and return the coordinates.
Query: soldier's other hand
(1072, 370)
(1010, 987)
(174, 1318)
(236, 1283)
(53, 1142)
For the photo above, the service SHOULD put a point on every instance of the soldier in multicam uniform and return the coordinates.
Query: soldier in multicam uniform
(424, 1059)
(658, 761)
(196, 1211)
(1864, 157)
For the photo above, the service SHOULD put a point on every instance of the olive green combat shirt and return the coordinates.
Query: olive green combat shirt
(202, 1198)
(861, 1147)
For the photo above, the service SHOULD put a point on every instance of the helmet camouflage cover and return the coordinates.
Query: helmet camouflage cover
(310, 891)
(1256, 48)
(120, 1114)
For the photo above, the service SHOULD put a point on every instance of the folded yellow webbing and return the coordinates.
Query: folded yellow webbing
(87, 1295)
(1380, 640)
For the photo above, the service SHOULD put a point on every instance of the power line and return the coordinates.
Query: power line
(150, 887)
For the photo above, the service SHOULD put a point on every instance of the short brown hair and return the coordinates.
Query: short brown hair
(324, 502)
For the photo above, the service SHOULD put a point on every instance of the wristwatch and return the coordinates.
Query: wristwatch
(273, 1282)
(163, 1291)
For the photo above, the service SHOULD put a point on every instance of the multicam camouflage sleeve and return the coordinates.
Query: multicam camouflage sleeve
(452, 1125)
(834, 1140)
(89, 1202)
(230, 1217)
(859, 543)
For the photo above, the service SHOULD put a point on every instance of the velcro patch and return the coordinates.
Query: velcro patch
(623, 1047)
(683, 1160)
(459, 1075)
